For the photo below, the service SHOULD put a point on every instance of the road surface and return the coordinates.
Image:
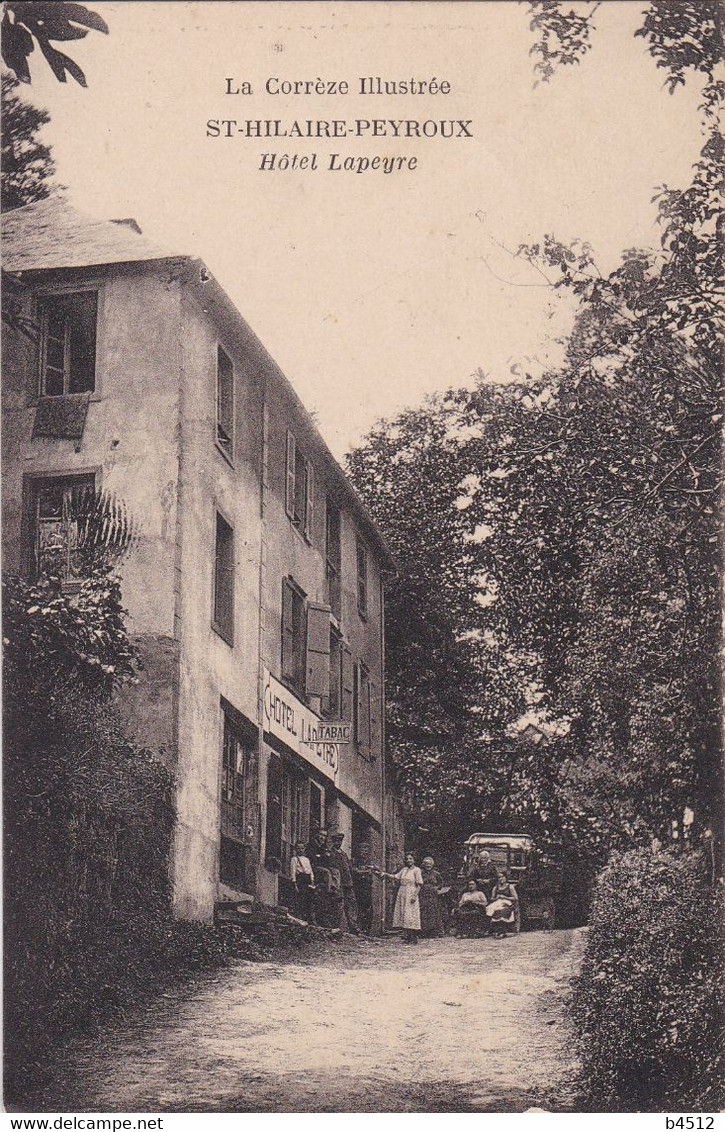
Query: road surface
(452, 1025)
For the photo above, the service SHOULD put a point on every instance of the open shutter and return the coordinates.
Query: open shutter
(309, 499)
(347, 683)
(317, 681)
(288, 633)
(274, 808)
(375, 713)
(289, 499)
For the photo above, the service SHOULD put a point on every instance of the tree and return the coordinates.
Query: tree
(27, 164)
(27, 22)
(577, 518)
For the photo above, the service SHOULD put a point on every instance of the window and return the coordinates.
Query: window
(57, 506)
(333, 557)
(68, 343)
(225, 403)
(293, 808)
(299, 488)
(361, 709)
(294, 636)
(333, 703)
(362, 579)
(233, 776)
(224, 580)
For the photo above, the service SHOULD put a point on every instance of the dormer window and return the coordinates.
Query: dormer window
(68, 343)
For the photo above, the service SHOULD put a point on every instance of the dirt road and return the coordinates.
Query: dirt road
(452, 1025)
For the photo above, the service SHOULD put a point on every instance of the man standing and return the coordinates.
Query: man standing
(362, 875)
(342, 861)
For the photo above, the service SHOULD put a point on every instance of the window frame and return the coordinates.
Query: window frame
(294, 677)
(332, 705)
(222, 629)
(225, 444)
(362, 710)
(363, 578)
(299, 487)
(42, 301)
(333, 558)
(32, 487)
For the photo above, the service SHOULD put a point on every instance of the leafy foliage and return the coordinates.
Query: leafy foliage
(27, 164)
(560, 537)
(650, 999)
(27, 22)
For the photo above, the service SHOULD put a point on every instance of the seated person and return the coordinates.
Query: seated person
(503, 908)
(472, 899)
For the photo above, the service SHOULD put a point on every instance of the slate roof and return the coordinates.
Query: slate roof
(51, 234)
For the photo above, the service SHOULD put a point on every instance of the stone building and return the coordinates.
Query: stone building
(255, 586)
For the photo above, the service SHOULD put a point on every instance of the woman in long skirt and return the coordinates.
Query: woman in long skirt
(406, 914)
(431, 918)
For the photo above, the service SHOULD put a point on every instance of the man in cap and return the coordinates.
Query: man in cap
(341, 861)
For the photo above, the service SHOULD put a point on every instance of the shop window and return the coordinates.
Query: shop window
(57, 509)
(68, 343)
(223, 621)
(362, 579)
(361, 709)
(333, 558)
(225, 403)
(294, 634)
(293, 809)
(234, 767)
(299, 488)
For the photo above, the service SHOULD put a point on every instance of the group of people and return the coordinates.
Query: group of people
(421, 907)
(331, 890)
(334, 892)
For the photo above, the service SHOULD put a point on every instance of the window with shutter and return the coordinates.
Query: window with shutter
(333, 705)
(299, 488)
(375, 721)
(318, 650)
(347, 684)
(291, 471)
(361, 709)
(223, 621)
(362, 579)
(225, 403)
(294, 637)
(333, 557)
(309, 500)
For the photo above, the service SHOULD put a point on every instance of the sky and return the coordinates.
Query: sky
(372, 290)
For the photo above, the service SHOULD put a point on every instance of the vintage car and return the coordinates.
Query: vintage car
(537, 879)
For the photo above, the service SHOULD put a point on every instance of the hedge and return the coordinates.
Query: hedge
(648, 1005)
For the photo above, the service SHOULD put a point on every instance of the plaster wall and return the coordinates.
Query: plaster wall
(210, 667)
(289, 553)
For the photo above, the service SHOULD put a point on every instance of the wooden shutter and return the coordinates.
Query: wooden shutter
(375, 715)
(317, 682)
(274, 807)
(347, 683)
(309, 499)
(288, 632)
(289, 500)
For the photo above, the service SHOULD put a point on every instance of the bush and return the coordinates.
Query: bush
(648, 1004)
